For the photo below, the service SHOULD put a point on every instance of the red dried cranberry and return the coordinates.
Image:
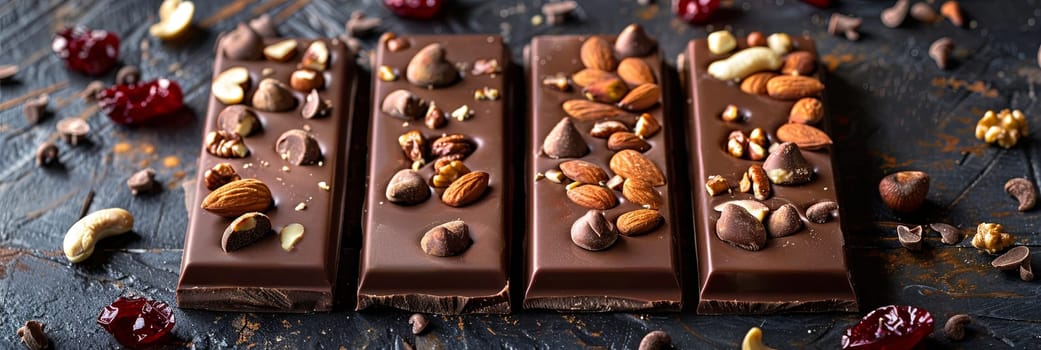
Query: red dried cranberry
(415, 9)
(86, 50)
(818, 3)
(137, 322)
(889, 328)
(694, 11)
(130, 104)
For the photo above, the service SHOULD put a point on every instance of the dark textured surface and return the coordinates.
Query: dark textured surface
(893, 110)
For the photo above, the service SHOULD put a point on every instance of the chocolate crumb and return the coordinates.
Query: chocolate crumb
(142, 182)
(46, 154)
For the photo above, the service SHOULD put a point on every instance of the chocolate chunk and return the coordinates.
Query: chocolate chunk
(35, 109)
(786, 166)
(910, 238)
(32, 335)
(46, 154)
(73, 130)
(403, 104)
(633, 41)
(656, 340)
(8, 71)
(429, 67)
(407, 187)
(564, 141)
(740, 228)
(264, 26)
(243, 43)
(245, 230)
(785, 221)
(593, 231)
(822, 212)
(448, 239)
(418, 323)
(948, 234)
(273, 96)
(360, 25)
(238, 119)
(128, 75)
(299, 148)
(142, 182)
(315, 106)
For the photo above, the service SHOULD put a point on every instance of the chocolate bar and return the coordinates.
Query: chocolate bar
(768, 234)
(436, 223)
(601, 229)
(266, 220)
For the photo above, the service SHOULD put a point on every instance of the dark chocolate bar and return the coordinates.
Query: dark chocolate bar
(593, 164)
(296, 147)
(436, 226)
(801, 267)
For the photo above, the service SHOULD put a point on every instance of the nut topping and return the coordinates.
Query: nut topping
(414, 146)
(646, 126)
(635, 72)
(452, 147)
(225, 144)
(822, 212)
(306, 80)
(273, 96)
(634, 165)
(230, 85)
(242, 44)
(641, 97)
(244, 231)
(219, 175)
(785, 221)
(238, 119)
(315, 106)
(627, 140)
(435, 117)
(403, 104)
(237, 198)
(642, 193)
(716, 185)
(638, 222)
(448, 239)
(605, 128)
(298, 147)
(281, 51)
(592, 196)
(465, 190)
(316, 57)
(447, 173)
(583, 171)
(786, 166)
(807, 110)
(596, 53)
(754, 207)
(430, 68)
(739, 228)
(805, 136)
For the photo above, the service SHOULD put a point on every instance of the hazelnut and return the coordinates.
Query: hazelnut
(306, 80)
(904, 191)
(281, 51)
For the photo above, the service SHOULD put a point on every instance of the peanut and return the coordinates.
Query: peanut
(745, 62)
(85, 233)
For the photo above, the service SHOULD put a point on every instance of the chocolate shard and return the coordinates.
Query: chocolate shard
(403, 104)
(785, 221)
(787, 166)
(564, 141)
(593, 231)
(298, 147)
(739, 228)
(243, 43)
(430, 68)
(407, 187)
(633, 41)
(448, 239)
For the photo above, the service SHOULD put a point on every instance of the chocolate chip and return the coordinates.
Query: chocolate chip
(593, 231)
(1012, 259)
(128, 75)
(297, 147)
(32, 335)
(954, 329)
(247, 229)
(785, 221)
(429, 67)
(910, 238)
(633, 41)
(90, 92)
(35, 109)
(418, 322)
(948, 234)
(407, 187)
(822, 212)
(894, 16)
(360, 25)
(940, 51)
(315, 106)
(1024, 191)
(557, 12)
(787, 166)
(243, 43)
(403, 104)
(46, 154)
(448, 239)
(656, 340)
(238, 119)
(273, 96)
(264, 26)
(564, 141)
(8, 71)
(142, 182)
(740, 228)
(73, 130)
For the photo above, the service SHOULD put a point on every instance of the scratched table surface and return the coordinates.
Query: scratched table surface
(894, 110)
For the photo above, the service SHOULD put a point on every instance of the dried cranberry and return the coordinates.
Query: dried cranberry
(130, 104)
(694, 11)
(889, 328)
(416, 9)
(137, 322)
(86, 50)
(818, 3)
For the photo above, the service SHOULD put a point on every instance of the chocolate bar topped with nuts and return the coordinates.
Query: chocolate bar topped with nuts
(265, 224)
(436, 224)
(767, 223)
(601, 231)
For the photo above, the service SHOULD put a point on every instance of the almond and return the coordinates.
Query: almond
(641, 192)
(597, 53)
(807, 110)
(799, 63)
(466, 189)
(790, 87)
(627, 140)
(635, 71)
(590, 76)
(585, 110)
(238, 197)
(631, 164)
(755, 84)
(583, 171)
(638, 222)
(641, 97)
(805, 136)
(593, 197)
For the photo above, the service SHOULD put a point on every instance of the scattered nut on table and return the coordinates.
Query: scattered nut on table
(85, 233)
(1024, 191)
(754, 340)
(990, 237)
(1003, 128)
(954, 329)
(175, 18)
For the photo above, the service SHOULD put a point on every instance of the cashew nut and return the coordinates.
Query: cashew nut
(754, 340)
(745, 62)
(85, 233)
(720, 42)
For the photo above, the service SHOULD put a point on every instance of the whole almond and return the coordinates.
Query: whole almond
(638, 222)
(642, 193)
(805, 136)
(631, 164)
(466, 189)
(585, 110)
(799, 63)
(627, 140)
(590, 76)
(807, 110)
(237, 198)
(755, 84)
(583, 171)
(597, 53)
(641, 97)
(790, 87)
(635, 71)
(593, 197)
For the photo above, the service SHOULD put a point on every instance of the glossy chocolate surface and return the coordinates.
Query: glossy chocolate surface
(394, 270)
(263, 276)
(637, 272)
(804, 272)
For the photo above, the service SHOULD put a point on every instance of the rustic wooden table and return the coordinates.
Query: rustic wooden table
(894, 110)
